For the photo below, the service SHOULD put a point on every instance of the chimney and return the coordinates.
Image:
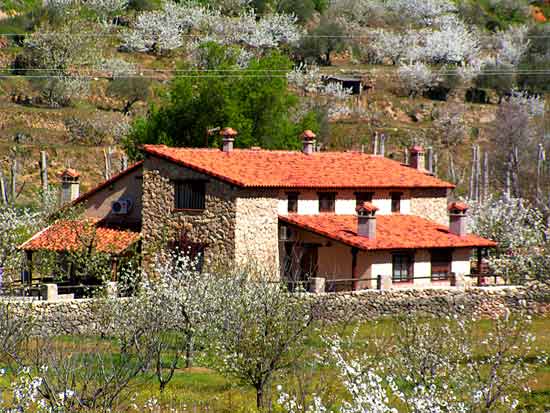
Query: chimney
(70, 185)
(417, 160)
(457, 218)
(366, 220)
(308, 139)
(228, 137)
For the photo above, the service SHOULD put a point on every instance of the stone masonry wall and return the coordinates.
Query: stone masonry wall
(213, 226)
(430, 204)
(80, 317)
(257, 227)
(484, 302)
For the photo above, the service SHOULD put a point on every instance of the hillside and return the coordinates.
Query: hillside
(445, 96)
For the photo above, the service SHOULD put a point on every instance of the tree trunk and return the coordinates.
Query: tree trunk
(260, 398)
(189, 353)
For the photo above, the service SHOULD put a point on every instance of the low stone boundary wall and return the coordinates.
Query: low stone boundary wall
(81, 316)
(481, 302)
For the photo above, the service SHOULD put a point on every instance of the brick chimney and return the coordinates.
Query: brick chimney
(228, 137)
(417, 159)
(366, 220)
(70, 185)
(457, 218)
(308, 139)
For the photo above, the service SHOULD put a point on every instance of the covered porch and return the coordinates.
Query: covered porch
(325, 254)
(75, 256)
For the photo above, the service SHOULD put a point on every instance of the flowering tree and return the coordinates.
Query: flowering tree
(520, 231)
(512, 44)
(174, 307)
(261, 329)
(163, 30)
(429, 366)
(421, 12)
(16, 225)
(416, 78)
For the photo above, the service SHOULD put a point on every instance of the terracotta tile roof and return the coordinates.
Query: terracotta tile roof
(73, 235)
(367, 206)
(458, 206)
(70, 172)
(293, 169)
(392, 232)
(108, 182)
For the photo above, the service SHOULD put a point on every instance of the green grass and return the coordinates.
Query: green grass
(207, 390)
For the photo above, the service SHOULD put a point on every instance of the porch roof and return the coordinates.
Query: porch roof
(392, 232)
(79, 234)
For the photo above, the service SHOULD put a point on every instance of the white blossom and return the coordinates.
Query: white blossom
(425, 12)
(417, 77)
(512, 45)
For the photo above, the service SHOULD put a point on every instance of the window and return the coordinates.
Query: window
(441, 264)
(362, 197)
(293, 202)
(396, 202)
(326, 201)
(402, 270)
(183, 246)
(189, 194)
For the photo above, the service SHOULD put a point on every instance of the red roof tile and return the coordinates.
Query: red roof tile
(293, 169)
(74, 235)
(70, 172)
(458, 206)
(367, 206)
(392, 232)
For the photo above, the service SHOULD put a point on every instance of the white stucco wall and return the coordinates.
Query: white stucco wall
(308, 202)
(422, 267)
(461, 261)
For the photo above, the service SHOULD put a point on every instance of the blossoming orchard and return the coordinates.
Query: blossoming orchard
(274, 206)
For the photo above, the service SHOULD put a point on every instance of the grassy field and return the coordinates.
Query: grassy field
(199, 389)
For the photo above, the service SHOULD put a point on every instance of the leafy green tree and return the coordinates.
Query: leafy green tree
(326, 39)
(255, 101)
(130, 89)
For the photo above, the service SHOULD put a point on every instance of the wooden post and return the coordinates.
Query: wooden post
(124, 161)
(478, 174)
(3, 194)
(13, 180)
(44, 171)
(28, 254)
(108, 159)
(479, 264)
(430, 160)
(485, 176)
(354, 274)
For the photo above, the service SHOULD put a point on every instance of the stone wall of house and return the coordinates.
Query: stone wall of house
(214, 226)
(475, 301)
(430, 204)
(257, 228)
(81, 317)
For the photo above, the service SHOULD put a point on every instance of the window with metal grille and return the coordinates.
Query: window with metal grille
(362, 197)
(441, 263)
(396, 202)
(327, 201)
(293, 202)
(402, 268)
(189, 194)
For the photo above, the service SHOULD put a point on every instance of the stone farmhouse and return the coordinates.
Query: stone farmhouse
(346, 220)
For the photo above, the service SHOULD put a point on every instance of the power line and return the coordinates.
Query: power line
(314, 36)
